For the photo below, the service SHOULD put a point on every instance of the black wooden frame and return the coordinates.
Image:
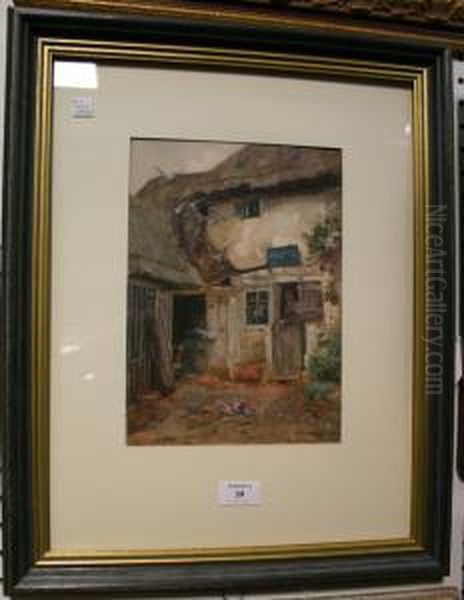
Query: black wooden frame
(22, 576)
(460, 416)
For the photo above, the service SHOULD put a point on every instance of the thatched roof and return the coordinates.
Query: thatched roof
(158, 212)
(154, 251)
(271, 169)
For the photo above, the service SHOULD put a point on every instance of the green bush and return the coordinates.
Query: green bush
(318, 390)
(325, 364)
(317, 241)
(325, 238)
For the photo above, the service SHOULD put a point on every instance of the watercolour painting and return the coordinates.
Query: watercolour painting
(234, 293)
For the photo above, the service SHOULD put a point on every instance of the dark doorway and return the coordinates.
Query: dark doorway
(190, 336)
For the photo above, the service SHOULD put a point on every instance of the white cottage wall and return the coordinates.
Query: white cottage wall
(283, 220)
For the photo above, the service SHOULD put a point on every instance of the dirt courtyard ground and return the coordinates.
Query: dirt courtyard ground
(206, 410)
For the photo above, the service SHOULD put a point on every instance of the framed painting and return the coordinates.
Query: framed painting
(234, 285)
(229, 305)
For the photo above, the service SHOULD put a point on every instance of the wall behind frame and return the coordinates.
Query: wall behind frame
(455, 578)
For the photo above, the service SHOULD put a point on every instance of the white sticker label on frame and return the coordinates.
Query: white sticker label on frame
(239, 493)
(82, 107)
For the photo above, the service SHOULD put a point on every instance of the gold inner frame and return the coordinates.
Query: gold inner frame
(413, 78)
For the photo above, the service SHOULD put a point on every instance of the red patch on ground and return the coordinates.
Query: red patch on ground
(207, 380)
(204, 409)
(248, 373)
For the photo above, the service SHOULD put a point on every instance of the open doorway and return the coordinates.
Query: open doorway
(190, 337)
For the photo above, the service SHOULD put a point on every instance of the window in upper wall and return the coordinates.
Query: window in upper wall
(250, 209)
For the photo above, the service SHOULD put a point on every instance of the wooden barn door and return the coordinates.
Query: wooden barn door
(287, 340)
(149, 340)
(288, 349)
(162, 340)
(295, 304)
(140, 310)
